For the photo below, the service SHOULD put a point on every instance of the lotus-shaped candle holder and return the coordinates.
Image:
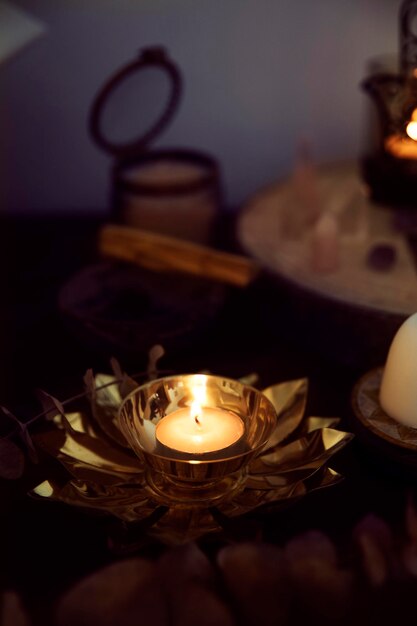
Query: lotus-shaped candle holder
(111, 466)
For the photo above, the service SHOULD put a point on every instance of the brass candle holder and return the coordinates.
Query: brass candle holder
(105, 441)
(177, 477)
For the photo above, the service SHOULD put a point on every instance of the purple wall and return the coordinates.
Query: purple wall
(259, 75)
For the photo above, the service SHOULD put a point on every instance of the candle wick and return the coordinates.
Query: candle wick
(197, 421)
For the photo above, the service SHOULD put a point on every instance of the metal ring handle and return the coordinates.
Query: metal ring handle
(148, 57)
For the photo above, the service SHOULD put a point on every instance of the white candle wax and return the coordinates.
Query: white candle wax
(199, 431)
(398, 393)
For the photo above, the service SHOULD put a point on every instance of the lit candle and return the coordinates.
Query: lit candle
(398, 393)
(404, 147)
(199, 430)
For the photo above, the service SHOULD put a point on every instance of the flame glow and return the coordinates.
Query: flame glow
(411, 129)
(199, 392)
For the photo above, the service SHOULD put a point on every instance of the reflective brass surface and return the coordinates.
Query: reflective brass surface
(104, 474)
(178, 477)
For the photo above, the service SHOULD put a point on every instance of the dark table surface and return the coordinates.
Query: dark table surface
(43, 546)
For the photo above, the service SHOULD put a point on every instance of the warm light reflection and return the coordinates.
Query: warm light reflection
(412, 126)
(404, 147)
(199, 389)
(401, 147)
(199, 392)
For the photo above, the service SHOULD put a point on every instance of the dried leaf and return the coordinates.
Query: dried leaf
(256, 578)
(126, 383)
(90, 383)
(12, 460)
(24, 435)
(55, 403)
(125, 593)
(155, 353)
(105, 402)
(49, 408)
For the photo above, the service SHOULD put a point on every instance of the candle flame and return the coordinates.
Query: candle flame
(199, 391)
(195, 412)
(411, 129)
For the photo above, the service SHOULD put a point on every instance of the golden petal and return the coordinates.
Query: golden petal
(289, 400)
(267, 481)
(78, 446)
(121, 501)
(315, 423)
(78, 421)
(317, 445)
(83, 471)
(251, 499)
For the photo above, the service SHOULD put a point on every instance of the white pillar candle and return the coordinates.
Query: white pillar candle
(398, 392)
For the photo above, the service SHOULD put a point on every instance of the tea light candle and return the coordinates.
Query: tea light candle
(398, 392)
(199, 430)
(404, 147)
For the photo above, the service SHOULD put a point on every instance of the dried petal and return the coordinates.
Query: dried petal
(12, 460)
(125, 593)
(188, 580)
(374, 539)
(324, 588)
(105, 401)
(256, 577)
(11, 610)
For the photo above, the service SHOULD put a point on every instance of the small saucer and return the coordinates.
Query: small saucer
(375, 422)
